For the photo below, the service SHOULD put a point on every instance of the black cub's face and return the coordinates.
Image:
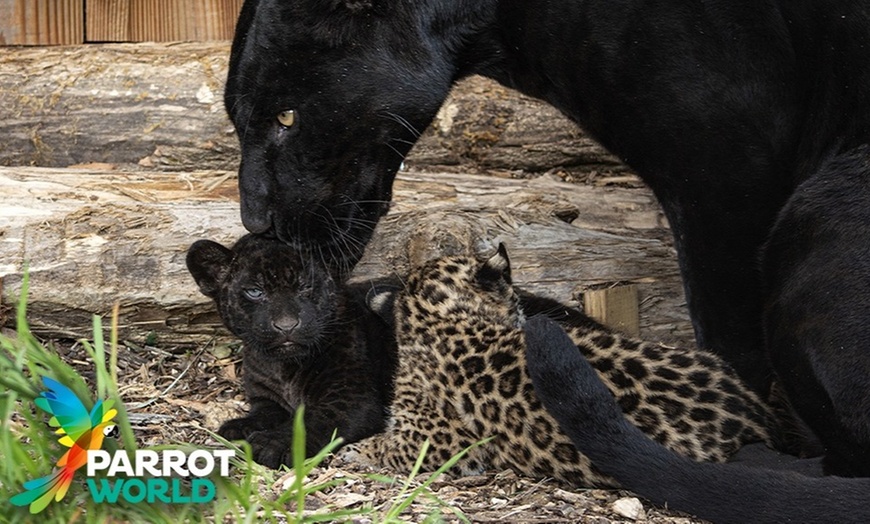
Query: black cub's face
(327, 97)
(280, 302)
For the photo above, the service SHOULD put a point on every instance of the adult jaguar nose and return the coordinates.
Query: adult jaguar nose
(256, 222)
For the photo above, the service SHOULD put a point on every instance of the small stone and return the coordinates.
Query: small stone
(629, 507)
(221, 351)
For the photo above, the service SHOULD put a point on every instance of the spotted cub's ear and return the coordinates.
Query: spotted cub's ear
(497, 268)
(208, 262)
(381, 299)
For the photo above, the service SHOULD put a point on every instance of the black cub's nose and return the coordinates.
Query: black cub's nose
(286, 324)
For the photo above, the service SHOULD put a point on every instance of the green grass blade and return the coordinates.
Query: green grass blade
(299, 460)
(405, 502)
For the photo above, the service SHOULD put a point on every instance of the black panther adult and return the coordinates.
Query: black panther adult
(722, 106)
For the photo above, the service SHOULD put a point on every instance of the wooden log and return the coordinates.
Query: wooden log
(160, 106)
(92, 238)
(142, 103)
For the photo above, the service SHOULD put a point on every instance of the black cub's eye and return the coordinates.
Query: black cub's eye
(287, 118)
(254, 293)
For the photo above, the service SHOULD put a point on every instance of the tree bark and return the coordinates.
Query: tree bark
(95, 237)
(160, 106)
(156, 104)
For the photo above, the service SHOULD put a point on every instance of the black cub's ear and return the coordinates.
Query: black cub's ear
(354, 6)
(497, 268)
(208, 262)
(358, 5)
(381, 299)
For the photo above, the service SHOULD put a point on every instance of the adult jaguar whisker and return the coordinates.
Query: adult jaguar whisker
(404, 123)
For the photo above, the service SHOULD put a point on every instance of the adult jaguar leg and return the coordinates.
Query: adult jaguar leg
(817, 270)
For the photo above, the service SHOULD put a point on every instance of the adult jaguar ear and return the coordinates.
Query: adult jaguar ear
(498, 267)
(208, 262)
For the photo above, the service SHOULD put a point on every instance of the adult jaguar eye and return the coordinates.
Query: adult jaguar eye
(287, 118)
(254, 293)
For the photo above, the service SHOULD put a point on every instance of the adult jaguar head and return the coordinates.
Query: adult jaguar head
(327, 97)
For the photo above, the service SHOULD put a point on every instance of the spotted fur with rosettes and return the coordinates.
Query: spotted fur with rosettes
(462, 377)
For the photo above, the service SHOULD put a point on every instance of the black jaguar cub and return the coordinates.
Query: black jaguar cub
(308, 339)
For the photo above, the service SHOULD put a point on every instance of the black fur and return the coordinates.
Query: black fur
(307, 340)
(723, 493)
(305, 183)
(818, 268)
(723, 107)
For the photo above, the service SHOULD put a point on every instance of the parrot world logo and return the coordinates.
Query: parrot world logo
(145, 472)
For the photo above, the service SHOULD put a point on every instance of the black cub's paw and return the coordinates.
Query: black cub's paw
(238, 428)
(271, 448)
(241, 428)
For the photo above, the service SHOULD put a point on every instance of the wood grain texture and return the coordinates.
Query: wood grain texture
(119, 103)
(108, 20)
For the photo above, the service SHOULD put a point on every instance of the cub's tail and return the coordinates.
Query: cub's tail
(586, 411)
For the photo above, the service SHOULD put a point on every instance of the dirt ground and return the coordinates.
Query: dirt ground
(176, 395)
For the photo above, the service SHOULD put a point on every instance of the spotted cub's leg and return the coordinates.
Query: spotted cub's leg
(415, 420)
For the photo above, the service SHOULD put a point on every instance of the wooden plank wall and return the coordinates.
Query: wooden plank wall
(161, 20)
(53, 22)
(108, 20)
(41, 22)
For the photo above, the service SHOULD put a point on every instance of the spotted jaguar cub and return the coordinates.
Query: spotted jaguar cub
(307, 339)
(462, 377)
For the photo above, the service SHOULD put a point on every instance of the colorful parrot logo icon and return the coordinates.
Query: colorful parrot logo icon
(81, 431)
